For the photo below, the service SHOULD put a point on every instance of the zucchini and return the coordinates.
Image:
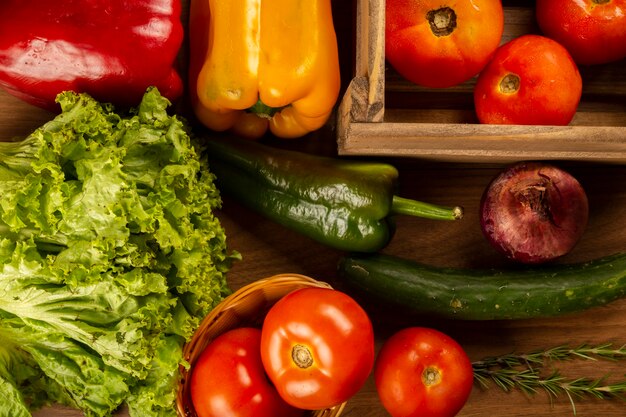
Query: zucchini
(469, 294)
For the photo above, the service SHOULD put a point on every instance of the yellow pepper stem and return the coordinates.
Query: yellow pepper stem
(263, 110)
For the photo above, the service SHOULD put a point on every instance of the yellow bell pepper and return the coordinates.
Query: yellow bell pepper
(256, 64)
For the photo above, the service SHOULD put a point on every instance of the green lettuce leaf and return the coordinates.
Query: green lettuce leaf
(110, 255)
(22, 383)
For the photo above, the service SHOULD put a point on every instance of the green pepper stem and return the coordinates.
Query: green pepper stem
(401, 205)
(263, 110)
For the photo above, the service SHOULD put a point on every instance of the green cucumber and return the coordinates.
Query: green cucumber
(469, 294)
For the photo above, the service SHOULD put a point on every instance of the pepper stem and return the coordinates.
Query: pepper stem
(263, 110)
(401, 205)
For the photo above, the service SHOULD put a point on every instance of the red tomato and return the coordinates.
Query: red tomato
(593, 31)
(317, 347)
(229, 380)
(437, 44)
(423, 372)
(530, 80)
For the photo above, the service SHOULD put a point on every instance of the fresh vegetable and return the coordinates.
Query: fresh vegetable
(260, 64)
(494, 294)
(113, 50)
(535, 371)
(534, 212)
(347, 205)
(21, 378)
(228, 379)
(422, 372)
(530, 80)
(593, 31)
(437, 44)
(317, 347)
(110, 256)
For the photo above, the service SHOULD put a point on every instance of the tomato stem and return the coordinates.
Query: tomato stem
(301, 356)
(510, 84)
(442, 21)
(431, 376)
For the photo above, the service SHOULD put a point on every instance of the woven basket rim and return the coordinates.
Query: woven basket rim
(228, 307)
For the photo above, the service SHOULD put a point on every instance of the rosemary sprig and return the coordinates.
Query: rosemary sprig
(559, 353)
(526, 373)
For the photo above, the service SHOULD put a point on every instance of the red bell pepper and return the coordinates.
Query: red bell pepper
(110, 49)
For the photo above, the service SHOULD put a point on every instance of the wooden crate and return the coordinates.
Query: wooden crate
(381, 114)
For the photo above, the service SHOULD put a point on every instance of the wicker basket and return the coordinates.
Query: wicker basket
(245, 307)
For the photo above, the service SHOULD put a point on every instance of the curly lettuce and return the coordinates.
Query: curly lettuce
(110, 255)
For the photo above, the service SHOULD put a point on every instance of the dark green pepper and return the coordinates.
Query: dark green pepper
(345, 204)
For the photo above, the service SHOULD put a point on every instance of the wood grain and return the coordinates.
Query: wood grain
(269, 249)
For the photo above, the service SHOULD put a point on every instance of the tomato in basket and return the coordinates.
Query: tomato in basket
(531, 80)
(423, 372)
(317, 346)
(440, 44)
(593, 31)
(228, 379)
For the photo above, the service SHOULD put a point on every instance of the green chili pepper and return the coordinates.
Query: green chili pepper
(345, 204)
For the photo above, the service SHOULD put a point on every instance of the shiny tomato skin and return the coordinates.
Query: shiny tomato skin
(324, 325)
(228, 379)
(403, 361)
(441, 60)
(549, 85)
(593, 32)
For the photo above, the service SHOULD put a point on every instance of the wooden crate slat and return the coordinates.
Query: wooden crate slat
(383, 114)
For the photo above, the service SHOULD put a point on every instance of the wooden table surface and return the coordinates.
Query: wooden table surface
(269, 249)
